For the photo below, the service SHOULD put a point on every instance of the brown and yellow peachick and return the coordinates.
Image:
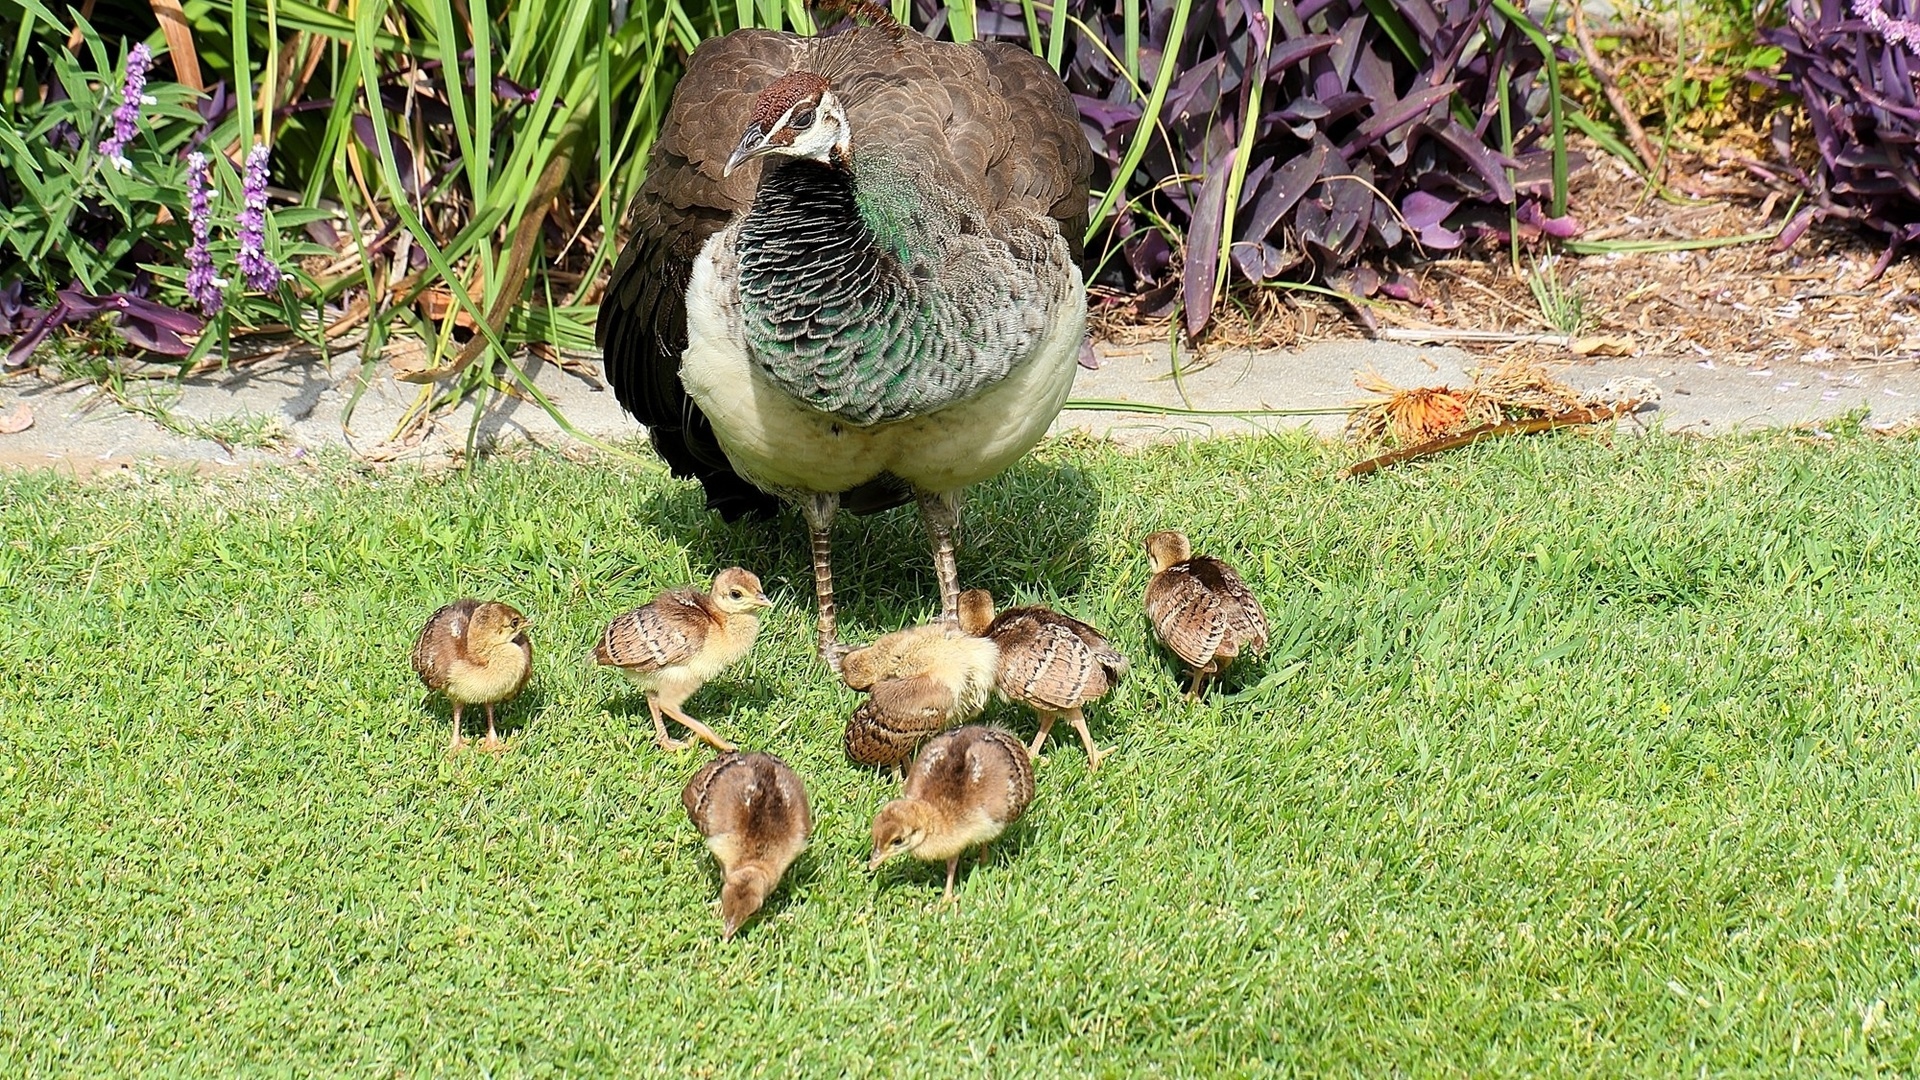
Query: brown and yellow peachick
(1052, 663)
(752, 809)
(964, 789)
(920, 681)
(672, 645)
(1200, 608)
(476, 653)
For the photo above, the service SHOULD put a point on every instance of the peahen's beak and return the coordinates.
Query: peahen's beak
(752, 144)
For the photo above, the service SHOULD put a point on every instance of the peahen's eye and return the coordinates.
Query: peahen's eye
(801, 119)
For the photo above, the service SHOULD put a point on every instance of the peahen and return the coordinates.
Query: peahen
(853, 278)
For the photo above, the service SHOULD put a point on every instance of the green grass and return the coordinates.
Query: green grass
(1570, 759)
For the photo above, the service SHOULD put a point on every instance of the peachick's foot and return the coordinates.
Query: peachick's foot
(700, 731)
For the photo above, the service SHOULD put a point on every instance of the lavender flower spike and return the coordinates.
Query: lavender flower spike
(261, 272)
(202, 286)
(127, 115)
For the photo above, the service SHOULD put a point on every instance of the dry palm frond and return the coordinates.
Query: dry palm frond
(1517, 390)
(1411, 416)
(1522, 388)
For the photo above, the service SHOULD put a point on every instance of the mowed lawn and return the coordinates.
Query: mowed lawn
(1570, 758)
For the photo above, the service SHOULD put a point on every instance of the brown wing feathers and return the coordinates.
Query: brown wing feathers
(1052, 660)
(757, 795)
(1245, 620)
(890, 725)
(668, 631)
(1202, 609)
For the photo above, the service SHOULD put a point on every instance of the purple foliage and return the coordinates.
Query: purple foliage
(15, 314)
(144, 323)
(261, 272)
(202, 285)
(133, 94)
(1351, 136)
(1856, 67)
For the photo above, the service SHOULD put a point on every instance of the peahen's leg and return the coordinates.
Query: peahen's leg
(941, 514)
(819, 509)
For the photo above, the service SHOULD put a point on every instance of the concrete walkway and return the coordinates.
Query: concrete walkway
(291, 410)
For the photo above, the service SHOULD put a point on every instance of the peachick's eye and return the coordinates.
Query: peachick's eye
(801, 119)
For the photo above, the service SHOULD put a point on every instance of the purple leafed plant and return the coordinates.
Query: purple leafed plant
(142, 322)
(1358, 144)
(1855, 65)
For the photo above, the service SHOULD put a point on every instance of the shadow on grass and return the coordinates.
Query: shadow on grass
(510, 718)
(1026, 528)
(630, 706)
(907, 872)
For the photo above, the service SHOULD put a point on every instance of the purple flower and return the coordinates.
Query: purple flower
(202, 286)
(1896, 31)
(132, 96)
(261, 272)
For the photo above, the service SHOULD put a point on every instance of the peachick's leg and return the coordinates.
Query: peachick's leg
(819, 510)
(1199, 681)
(1040, 740)
(458, 742)
(706, 733)
(1094, 753)
(953, 867)
(660, 728)
(492, 744)
(940, 512)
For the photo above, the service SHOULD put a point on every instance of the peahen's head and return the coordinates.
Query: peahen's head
(796, 117)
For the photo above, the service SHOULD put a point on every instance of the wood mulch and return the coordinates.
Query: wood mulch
(1744, 304)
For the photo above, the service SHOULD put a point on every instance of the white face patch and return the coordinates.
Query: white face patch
(818, 129)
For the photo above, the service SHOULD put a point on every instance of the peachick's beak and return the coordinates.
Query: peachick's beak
(760, 600)
(873, 862)
(752, 143)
